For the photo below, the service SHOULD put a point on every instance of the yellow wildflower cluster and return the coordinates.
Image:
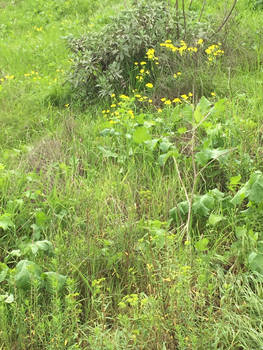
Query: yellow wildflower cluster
(176, 75)
(214, 51)
(38, 29)
(151, 56)
(181, 49)
(7, 77)
(33, 74)
(176, 100)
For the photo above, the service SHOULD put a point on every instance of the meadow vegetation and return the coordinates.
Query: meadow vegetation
(131, 177)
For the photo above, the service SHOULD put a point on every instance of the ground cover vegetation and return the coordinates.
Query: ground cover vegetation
(131, 180)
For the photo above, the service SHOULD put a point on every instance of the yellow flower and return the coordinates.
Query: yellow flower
(113, 105)
(136, 63)
(213, 94)
(163, 99)
(137, 96)
(185, 97)
(150, 101)
(112, 95)
(200, 42)
(149, 85)
(167, 102)
(142, 71)
(176, 100)
(190, 94)
(159, 110)
(143, 63)
(124, 97)
(67, 105)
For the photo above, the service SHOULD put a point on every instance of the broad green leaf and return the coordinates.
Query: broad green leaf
(44, 246)
(54, 281)
(6, 221)
(165, 145)
(141, 134)
(202, 244)
(152, 144)
(41, 218)
(27, 273)
(207, 154)
(203, 205)
(202, 109)
(256, 190)
(3, 271)
(241, 194)
(164, 157)
(256, 262)
(215, 219)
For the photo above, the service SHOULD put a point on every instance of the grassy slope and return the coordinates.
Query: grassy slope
(94, 210)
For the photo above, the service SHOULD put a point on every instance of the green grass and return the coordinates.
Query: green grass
(95, 207)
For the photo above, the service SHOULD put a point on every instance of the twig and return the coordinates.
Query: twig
(202, 10)
(226, 19)
(177, 18)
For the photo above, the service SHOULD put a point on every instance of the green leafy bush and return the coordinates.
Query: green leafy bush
(104, 60)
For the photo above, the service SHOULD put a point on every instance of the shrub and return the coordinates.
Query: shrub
(104, 60)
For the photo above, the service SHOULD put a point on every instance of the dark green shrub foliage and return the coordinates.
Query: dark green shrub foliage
(104, 61)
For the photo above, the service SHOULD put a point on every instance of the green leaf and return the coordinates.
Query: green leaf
(3, 271)
(141, 134)
(54, 281)
(41, 218)
(152, 144)
(256, 262)
(44, 246)
(207, 154)
(202, 109)
(203, 204)
(202, 244)
(214, 219)
(27, 273)
(164, 157)
(165, 145)
(256, 190)
(6, 221)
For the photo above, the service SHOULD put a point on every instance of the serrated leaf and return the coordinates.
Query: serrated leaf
(141, 134)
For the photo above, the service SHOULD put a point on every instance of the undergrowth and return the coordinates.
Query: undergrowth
(134, 223)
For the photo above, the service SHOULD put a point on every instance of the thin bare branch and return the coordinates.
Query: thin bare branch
(225, 19)
(202, 10)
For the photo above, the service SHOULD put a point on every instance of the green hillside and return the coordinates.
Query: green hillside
(131, 175)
